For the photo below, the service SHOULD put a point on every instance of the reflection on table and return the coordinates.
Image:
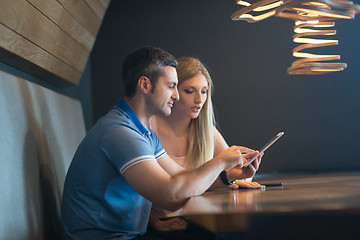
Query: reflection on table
(318, 201)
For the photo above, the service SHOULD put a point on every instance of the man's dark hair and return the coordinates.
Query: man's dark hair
(148, 62)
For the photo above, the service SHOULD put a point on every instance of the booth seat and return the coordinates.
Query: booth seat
(39, 133)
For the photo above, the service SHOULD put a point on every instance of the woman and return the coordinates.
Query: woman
(189, 135)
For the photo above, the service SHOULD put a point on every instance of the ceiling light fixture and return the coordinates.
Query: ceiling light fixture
(314, 20)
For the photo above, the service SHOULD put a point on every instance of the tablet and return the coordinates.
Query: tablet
(266, 146)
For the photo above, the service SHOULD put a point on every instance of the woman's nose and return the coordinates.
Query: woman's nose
(198, 98)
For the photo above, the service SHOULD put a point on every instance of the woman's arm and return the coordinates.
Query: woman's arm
(221, 145)
(219, 142)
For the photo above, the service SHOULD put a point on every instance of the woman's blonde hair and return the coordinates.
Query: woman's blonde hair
(200, 136)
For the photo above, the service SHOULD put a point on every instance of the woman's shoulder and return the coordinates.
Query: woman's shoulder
(219, 142)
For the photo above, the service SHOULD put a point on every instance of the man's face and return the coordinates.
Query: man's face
(164, 93)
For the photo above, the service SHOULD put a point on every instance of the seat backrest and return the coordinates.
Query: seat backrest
(39, 133)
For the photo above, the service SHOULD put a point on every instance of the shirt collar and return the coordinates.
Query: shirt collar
(132, 115)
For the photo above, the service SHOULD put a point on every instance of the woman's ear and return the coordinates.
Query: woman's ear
(144, 84)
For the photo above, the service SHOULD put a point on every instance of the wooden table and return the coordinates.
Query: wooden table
(307, 206)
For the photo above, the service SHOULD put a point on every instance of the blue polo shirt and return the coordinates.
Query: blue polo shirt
(97, 202)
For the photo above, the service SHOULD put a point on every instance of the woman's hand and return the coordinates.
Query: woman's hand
(245, 184)
(245, 150)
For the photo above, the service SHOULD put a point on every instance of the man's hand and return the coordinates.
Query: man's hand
(231, 157)
(240, 172)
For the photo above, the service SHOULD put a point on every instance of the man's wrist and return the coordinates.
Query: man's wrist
(225, 180)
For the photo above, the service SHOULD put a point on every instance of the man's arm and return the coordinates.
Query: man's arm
(170, 187)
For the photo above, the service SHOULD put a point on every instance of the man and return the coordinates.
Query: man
(120, 167)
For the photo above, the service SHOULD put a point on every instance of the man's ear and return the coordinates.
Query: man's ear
(144, 84)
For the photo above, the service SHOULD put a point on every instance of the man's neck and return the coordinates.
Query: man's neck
(138, 107)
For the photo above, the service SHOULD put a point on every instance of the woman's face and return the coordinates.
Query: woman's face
(193, 94)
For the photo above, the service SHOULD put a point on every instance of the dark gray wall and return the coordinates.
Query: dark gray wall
(254, 97)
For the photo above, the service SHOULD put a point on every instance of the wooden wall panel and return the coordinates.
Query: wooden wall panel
(97, 7)
(105, 3)
(55, 35)
(56, 13)
(20, 46)
(37, 28)
(83, 13)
